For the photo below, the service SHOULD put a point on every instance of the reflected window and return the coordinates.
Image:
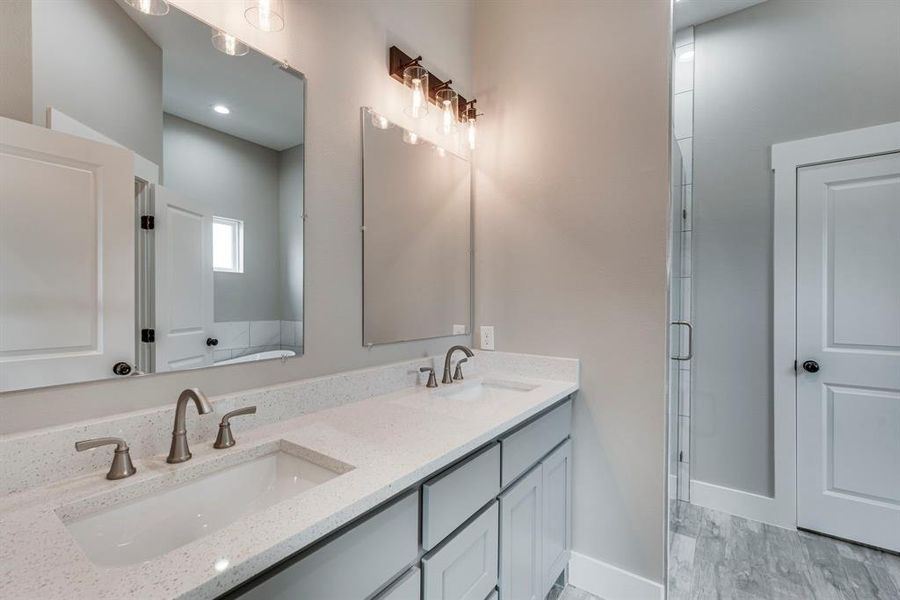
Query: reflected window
(228, 245)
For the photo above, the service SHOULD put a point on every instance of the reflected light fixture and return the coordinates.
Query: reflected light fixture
(448, 101)
(228, 44)
(379, 121)
(440, 151)
(410, 137)
(222, 109)
(265, 15)
(156, 8)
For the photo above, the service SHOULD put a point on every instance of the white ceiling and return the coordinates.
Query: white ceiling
(266, 103)
(694, 12)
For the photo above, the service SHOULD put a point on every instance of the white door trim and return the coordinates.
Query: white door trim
(787, 157)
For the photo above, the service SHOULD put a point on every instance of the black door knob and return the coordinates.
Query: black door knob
(212, 342)
(122, 368)
(811, 366)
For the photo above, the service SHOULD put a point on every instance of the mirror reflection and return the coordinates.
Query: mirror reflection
(152, 211)
(416, 236)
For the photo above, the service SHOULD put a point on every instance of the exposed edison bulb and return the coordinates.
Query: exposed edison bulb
(440, 151)
(470, 133)
(447, 117)
(267, 15)
(418, 98)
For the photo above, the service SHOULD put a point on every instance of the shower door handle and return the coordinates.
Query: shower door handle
(690, 348)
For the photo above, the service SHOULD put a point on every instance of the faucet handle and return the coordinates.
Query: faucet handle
(432, 380)
(225, 439)
(121, 465)
(458, 374)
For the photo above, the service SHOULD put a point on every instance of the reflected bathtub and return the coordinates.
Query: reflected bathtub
(268, 355)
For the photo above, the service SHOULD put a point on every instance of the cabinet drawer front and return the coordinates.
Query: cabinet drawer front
(465, 568)
(407, 587)
(523, 448)
(493, 596)
(353, 565)
(452, 497)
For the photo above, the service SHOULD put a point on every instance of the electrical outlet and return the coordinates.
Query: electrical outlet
(487, 337)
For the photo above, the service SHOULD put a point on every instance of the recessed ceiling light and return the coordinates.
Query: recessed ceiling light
(221, 109)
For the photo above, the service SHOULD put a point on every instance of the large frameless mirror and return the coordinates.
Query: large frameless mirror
(152, 210)
(416, 236)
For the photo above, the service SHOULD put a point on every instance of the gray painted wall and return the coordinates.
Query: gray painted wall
(15, 66)
(95, 64)
(237, 179)
(290, 231)
(355, 35)
(779, 71)
(571, 222)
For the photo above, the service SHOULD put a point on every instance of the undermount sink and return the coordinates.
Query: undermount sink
(484, 389)
(162, 521)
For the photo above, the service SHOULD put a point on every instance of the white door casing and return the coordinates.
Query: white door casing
(66, 257)
(184, 281)
(848, 323)
(787, 158)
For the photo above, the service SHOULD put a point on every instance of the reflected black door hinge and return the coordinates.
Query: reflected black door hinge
(148, 336)
(147, 222)
(681, 456)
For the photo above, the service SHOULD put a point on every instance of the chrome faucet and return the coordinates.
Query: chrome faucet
(179, 452)
(447, 378)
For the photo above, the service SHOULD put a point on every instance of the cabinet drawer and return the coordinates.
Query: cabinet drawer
(452, 497)
(353, 565)
(523, 448)
(407, 587)
(464, 568)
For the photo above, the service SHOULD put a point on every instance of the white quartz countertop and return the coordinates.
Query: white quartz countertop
(392, 441)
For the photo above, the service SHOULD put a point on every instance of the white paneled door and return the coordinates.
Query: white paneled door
(66, 257)
(848, 349)
(184, 281)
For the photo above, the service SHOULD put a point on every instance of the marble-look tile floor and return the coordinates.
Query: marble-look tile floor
(714, 555)
(569, 592)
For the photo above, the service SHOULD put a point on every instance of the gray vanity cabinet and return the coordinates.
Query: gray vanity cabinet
(556, 474)
(465, 567)
(521, 532)
(407, 587)
(355, 564)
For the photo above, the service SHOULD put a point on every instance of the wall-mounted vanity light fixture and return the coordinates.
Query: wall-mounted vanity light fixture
(423, 84)
(265, 15)
(471, 118)
(157, 8)
(228, 44)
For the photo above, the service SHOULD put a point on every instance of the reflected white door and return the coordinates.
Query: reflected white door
(184, 281)
(848, 323)
(66, 257)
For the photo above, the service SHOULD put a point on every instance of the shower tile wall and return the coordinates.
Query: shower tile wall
(683, 129)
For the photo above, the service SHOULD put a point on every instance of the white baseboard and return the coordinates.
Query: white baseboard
(609, 582)
(742, 504)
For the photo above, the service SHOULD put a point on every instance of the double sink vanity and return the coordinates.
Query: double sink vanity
(357, 485)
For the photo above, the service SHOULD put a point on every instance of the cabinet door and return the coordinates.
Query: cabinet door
(465, 566)
(557, 510)
(520, 539)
